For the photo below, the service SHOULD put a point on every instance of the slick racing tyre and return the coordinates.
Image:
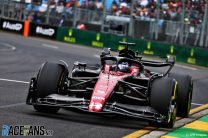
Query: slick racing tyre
(50, 78)
(185, 89)
(163, 99)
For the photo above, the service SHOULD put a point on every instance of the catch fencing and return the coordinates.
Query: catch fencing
(157, 37)
(97, 20)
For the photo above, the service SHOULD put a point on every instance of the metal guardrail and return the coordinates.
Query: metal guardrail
(13, 10)
(89, 16)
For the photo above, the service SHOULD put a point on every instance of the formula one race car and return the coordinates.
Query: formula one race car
(121, 85)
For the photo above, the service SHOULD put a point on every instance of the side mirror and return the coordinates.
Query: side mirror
(80, 64)
(171, 59)
(106, 51)
(138, 55)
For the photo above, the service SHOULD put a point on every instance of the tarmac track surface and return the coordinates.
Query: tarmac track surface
(20, 59)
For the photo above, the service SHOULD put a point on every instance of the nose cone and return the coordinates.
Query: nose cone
(96, 104)
(102, 90)
(95, 107)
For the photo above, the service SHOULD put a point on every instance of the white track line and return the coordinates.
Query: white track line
(186, 67)
(50, 46)
(97, 56)
(17, 104)
(11, 47)
(12, 105)
(197, 104)
(8, 80)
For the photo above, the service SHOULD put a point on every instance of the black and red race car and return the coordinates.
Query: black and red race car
(120, 85)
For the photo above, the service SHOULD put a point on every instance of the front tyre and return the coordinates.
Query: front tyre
(50, 79)
(163, 99)
(185, 90)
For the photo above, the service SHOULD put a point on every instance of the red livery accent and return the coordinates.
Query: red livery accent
(105, 85)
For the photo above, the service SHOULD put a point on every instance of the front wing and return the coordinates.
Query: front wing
(139, 112)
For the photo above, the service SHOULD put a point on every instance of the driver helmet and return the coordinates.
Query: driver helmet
(124, 67)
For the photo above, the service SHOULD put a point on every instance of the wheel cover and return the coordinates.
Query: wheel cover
(190, 97)
(172, 111)
(189, 102)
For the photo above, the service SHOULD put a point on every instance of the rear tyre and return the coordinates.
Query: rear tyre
(50, 78)
(185, 90)
(163, 99)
